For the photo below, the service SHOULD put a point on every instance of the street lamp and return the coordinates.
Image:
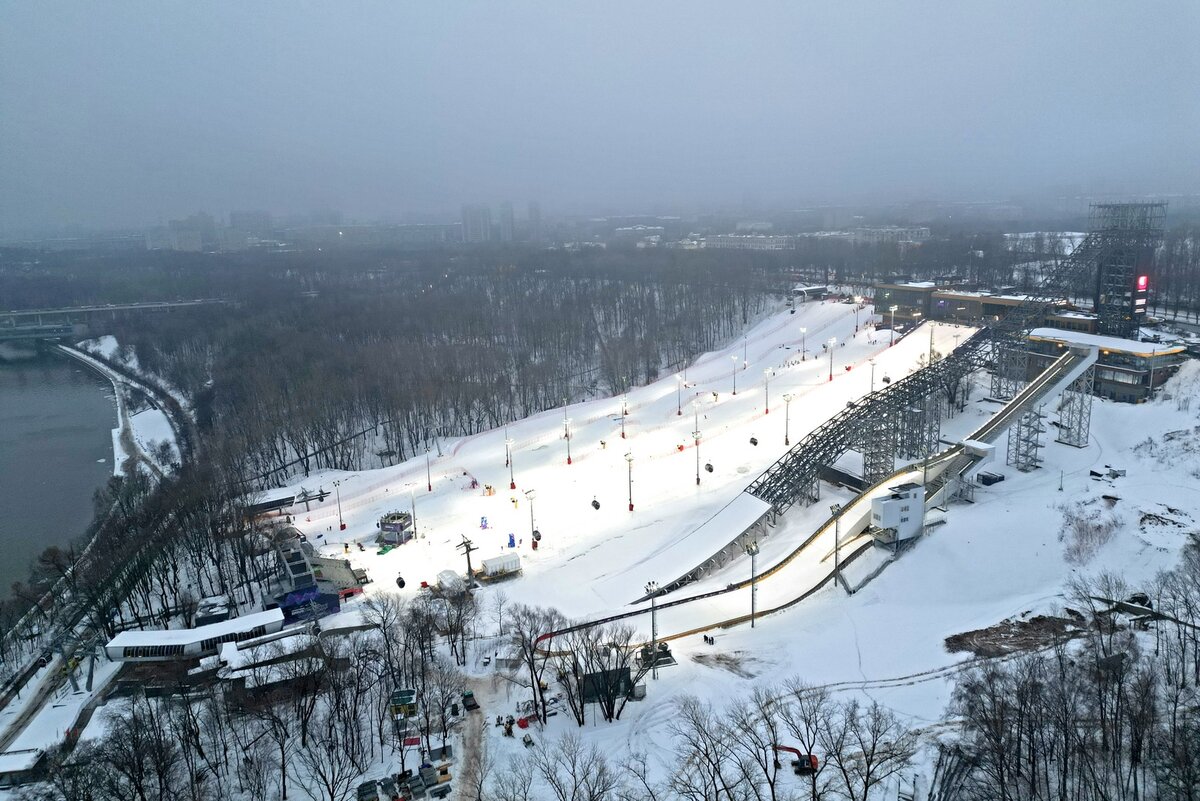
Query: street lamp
(629, 461)
(752, 552)
(767, 391)
(678, 394)
(892, 329)
(529, 495)
(803, 344)
(787, 418)
(836, 508)
(734, 374)
(512, 482)
(652, 591)
(428, 478)
(336, 488)
(832, 341)
(567, 435)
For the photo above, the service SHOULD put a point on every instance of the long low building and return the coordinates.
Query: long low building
(1128, 370)
(164, 645)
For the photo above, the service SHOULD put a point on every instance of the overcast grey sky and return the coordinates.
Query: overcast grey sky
(122, 113)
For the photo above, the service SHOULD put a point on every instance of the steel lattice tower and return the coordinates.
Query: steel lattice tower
(1129, 234)
(1075, 411)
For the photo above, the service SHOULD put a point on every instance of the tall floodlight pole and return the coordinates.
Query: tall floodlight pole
(507, 442)
(629, 461)
(767, 391)
(428, 476)
(787, 418)
(529, 495)
(412, 503)
(856, 316)
(512, 481)
(696, 436)
(752, 552)
(892, 329)
(931, 326)
(567, 435)
(337, 490)
(744, 359)
(872, 363)
(652, 591)
(734, 374)
(678, 394)
(624, 411)
(832, 341)
(837, 535)
(803, 344)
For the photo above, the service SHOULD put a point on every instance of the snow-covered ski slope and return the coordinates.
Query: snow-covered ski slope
(594, 562)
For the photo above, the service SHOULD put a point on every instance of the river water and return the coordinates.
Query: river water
(56, 418)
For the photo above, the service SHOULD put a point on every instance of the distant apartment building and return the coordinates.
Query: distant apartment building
(749, 242)
(254, 223)
(894, 234)
(535, 221)
(476, 224)
(754, 227)
(505, 227)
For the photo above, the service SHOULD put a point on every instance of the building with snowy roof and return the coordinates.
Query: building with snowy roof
(1127, 370)
(163, 645)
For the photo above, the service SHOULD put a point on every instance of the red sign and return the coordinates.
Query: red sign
(1143, 282)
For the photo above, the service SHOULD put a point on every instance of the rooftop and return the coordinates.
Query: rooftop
(1131, 346)
(130, 639)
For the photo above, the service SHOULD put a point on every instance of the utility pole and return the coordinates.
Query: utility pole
(787, 419)
(629, 461)
(512, 481)
(752, 552)
(467, 547)
(652, 591)
(337, 489)
(567, 432)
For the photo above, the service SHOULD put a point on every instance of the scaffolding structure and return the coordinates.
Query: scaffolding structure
(1025, 441)
(878, 447)
(1128, 234)
(885, 423)
(1075, 411)
(1011, 370)
(921, 427)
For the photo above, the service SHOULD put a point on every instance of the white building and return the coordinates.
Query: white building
(749, 242)
(168, 644)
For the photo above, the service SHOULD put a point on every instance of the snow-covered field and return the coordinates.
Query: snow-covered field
(998, 558)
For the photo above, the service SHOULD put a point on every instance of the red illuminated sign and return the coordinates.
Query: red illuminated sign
(1143, 283)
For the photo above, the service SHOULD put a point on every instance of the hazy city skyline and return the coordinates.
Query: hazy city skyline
(147, 112)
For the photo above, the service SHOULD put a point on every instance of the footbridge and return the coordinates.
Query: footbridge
(70, 321)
